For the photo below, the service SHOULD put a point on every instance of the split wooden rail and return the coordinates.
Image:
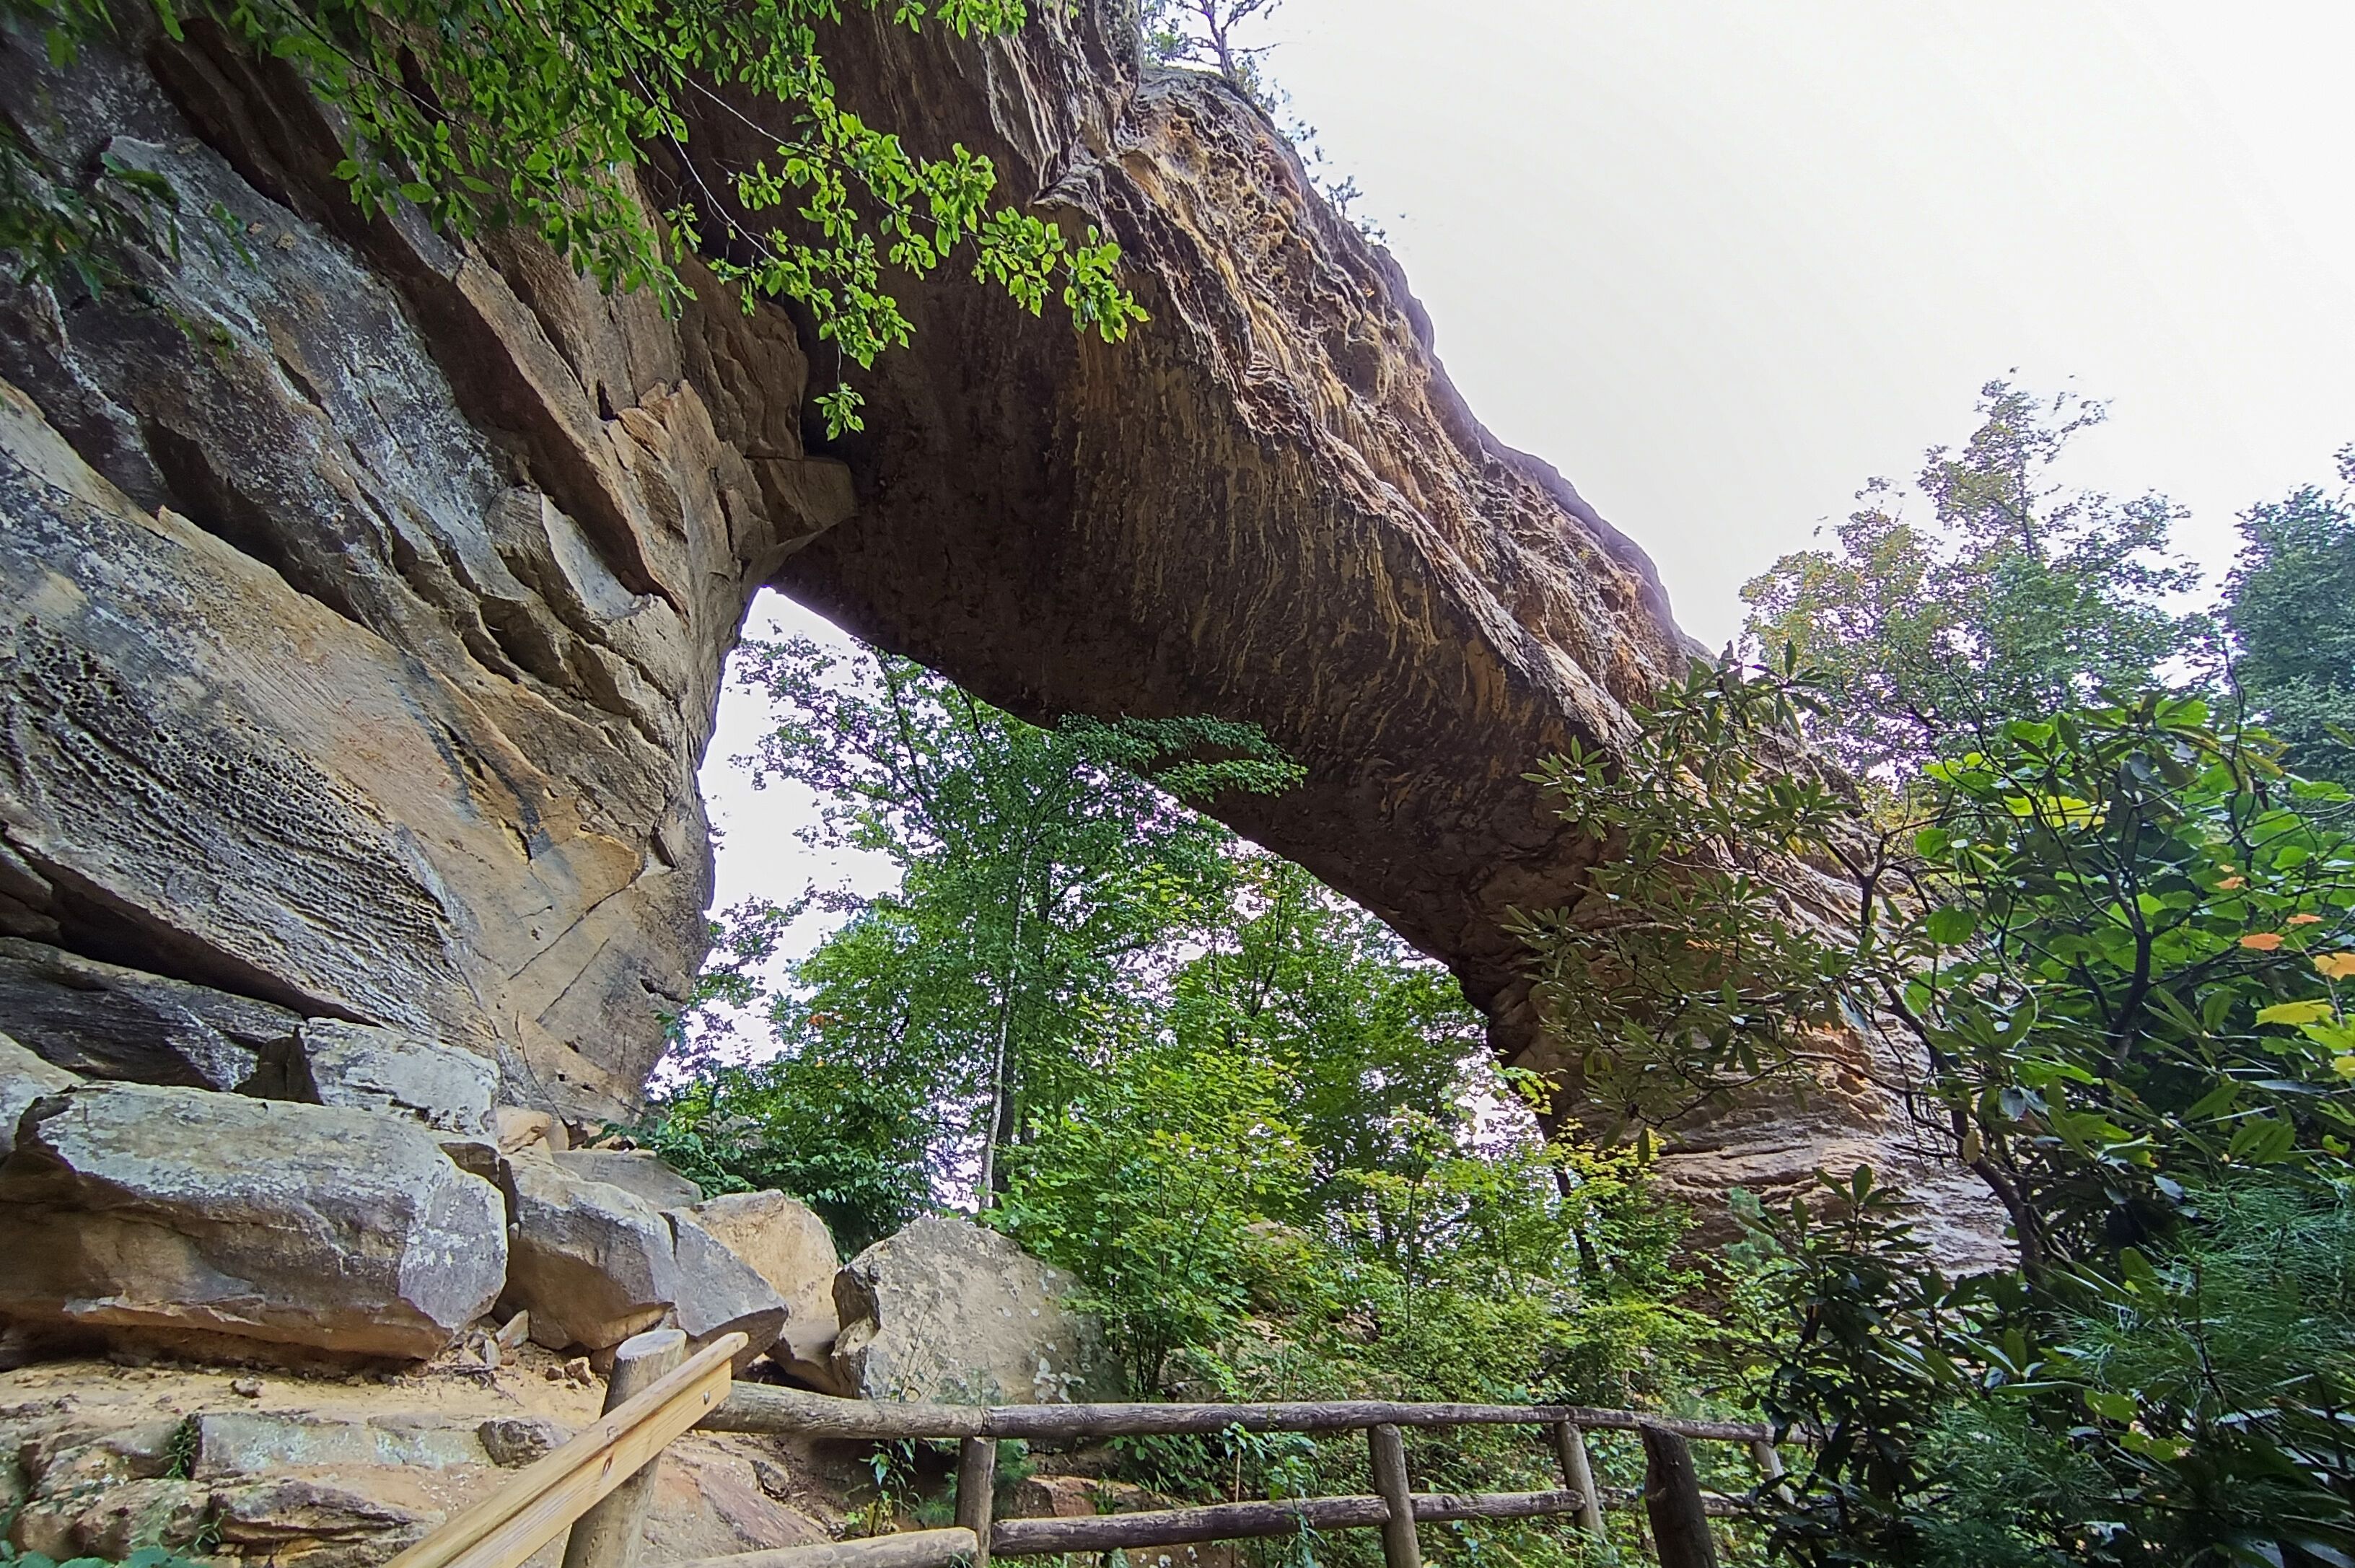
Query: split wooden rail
(600, 1478)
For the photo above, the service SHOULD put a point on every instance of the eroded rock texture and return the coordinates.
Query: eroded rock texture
(366, 599)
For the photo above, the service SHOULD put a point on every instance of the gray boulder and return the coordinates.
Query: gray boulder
(24, 1078)
(641, 1174)
(103, 1020)
(592, 1262)
(720, 1292)
(947, 1310)
(789, 1246)
(392, 1071)
(148, 1215)
(297, 1523)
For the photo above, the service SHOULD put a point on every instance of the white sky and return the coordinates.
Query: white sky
(1721, 260)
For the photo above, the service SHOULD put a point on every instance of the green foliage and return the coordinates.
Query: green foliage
(1687, 973)
(1152, 1182)
(2014, 599)
(1042, 873)
(57, 228)
(2116, 939)
(2140, 990)
(1259, 1131)
(2286, 604)
(566, 118)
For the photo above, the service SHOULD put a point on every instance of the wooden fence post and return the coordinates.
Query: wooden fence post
(607, 1536)
(1578, 1475)
(1771, 1472)
(1672, 1500)
(1401, 1548)
(977, 1483)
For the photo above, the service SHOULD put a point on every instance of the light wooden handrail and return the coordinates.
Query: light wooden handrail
(763, 1407)
(547, 1496)
(530, 1510)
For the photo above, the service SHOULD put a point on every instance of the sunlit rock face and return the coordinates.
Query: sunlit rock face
(364, 600)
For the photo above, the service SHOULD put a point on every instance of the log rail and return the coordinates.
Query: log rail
(654, 1395)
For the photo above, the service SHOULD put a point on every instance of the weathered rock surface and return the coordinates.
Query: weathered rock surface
(243, 1443)
(212, 1222)
(24, 1078)
(641, 1174)
(789, 1246)
(947, 1310)
(515, 1128)
(720, 1293)
(515, 1441)
(394, 1072)
(368, 597)
(592, 1262)
(305, 1523)
(103, 1020)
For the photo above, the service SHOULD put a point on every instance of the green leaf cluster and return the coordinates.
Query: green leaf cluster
(1992, 593)
(613, 130)
(2116, 940)
(2287, 606)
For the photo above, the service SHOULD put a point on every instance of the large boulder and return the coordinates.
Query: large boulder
(152, 1215)
(592, 1262)
(641, 1174)
(947, 1310)
(392, 1071)
(24, 1078)
(720, 1293)
(789, 1246)
(103, 1020)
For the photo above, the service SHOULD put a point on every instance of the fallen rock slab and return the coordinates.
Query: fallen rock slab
(789, 1246)
(243, 1444)
(302, 1523)
(516, 1128)
(720, 1293)
(634, 1171)
(946, 1310)
(394, 1072)
(590, 1261)
(220, 1225)
(103, 1020)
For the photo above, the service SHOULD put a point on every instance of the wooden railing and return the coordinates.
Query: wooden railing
(601, 1480)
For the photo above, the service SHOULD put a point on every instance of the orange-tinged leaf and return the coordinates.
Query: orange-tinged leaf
(2336, 965)
(2261, 940)
(2303, 919)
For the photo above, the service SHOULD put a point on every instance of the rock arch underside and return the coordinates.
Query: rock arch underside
(364, 599)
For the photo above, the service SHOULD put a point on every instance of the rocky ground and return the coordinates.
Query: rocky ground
(101, 1456)
(304, 1318)
(319, 1470)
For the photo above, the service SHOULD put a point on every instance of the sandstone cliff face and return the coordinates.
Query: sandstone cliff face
(366, 599)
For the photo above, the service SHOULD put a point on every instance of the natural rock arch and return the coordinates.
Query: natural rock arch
(367, 605)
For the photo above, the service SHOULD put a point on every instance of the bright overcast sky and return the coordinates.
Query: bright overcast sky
(1721, 260)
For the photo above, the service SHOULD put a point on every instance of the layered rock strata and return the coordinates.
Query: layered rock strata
(364, 599)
